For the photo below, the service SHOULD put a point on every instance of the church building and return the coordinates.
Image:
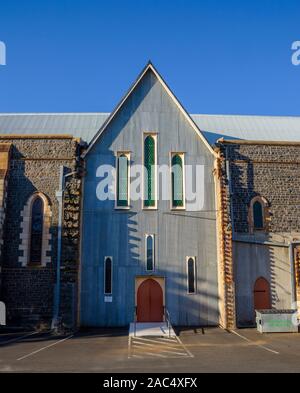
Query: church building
(147, 213)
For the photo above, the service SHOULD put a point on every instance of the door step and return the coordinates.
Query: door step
(151, 329)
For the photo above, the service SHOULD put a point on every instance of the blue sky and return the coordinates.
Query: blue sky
(227, 57)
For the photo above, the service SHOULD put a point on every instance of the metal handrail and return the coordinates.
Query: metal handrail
(135, 320)
(168, 320)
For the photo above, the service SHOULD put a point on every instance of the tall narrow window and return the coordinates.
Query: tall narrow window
(150, 252)
(191, 275)
(108, 276)
(36, 232)
(258, 219)
(177, 173)
(123, 160)
(149, 172)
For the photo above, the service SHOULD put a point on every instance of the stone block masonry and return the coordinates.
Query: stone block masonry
(35, 168)
(270, 170)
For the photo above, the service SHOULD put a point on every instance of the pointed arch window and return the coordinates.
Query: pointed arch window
(123, 168)
(108, 276)
(150, 171)
(177, 180)
(191, 274)
(258, 218)
(150, 253)
(35, 236)
(36, 232)
(258, 214)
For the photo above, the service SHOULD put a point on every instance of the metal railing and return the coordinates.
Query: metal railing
(135, 320)
(168, 320)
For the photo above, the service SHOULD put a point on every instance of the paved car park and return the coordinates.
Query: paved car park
(111, 351)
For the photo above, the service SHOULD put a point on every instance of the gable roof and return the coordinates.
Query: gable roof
(148, 67)
(213, 127)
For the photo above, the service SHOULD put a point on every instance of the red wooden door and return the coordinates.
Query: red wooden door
(262, 295)
(149, 302)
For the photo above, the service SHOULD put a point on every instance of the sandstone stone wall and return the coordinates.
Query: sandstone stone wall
(35, 166)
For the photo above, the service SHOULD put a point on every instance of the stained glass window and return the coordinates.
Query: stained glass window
(149, 163)
(177, 181)
(122, 181)
(36, 234)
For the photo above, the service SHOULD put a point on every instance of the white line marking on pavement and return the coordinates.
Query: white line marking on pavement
(253, 342)
(42, 349)
(129, 347)
(190, 353)
(155, 354)
(18, 338)
(155, 346)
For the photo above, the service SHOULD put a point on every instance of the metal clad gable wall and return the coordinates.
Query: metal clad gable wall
(120, 234)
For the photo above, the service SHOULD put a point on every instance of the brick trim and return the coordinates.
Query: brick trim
(266, 214)
(26, 227)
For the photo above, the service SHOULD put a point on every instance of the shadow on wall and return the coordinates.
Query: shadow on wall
(127, 249)
(260, 261)
(27, 291)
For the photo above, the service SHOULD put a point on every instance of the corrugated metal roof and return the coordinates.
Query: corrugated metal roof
(80, 125)
(86, 125)
(261, 128)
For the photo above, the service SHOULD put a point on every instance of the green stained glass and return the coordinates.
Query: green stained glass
(122, 181)
(149, 163)
(177, 181)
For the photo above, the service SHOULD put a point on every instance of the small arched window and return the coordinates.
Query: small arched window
(108, 276)
(150, 253)
(35, 236)
(123, 160)
(258, 214)
(258, 218)
(191, 275)
(177, 181)
(36, 232)
(150, 172)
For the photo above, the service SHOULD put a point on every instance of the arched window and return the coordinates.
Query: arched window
(36, 232)
(150, 171)
(35, 236)
(108, 276)
(191, 275)
(150, 252)
(258, 214)
(258, 218)
(177, 181)
(123, 160)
